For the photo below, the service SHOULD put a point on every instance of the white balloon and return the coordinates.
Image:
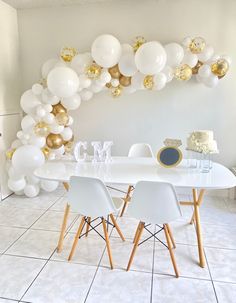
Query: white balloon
(81, 61)
(40, 111)
(127, 64)
(96, 87)
(59, 151)
(29, 102)
(150, 58)
(159, 81)
(175, 54)
(32, 179)
(72, 102)
(204, 71)
(86, 95)
(106, 50)
(206, 54)
(63, 82)
(190, 59)
(70, 122)
(31, 190)
(126, 48)
(16, 143)
(37, 141)
(27, 158)
(186, 41)
(20, 134)
(48, 66)
(49, 98)
(105, 76)
(49, 186)
(16, 185)
(37, 89)
(60, 63)
(49, 118)
(13, 174)
(199, 79)
(67, 133)
(211, 81)
(56, 128)
(84, 81)
(137, 81)
(48, 107)
(27, 123)
(169, 72)
(115, 82)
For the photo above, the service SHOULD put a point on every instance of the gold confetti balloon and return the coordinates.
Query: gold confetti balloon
(68, 146)
(10, 153)
(196, 67)
(139, 40)
(148, 82)
(114, 71)
(46, 152)
(125, 81)
(220, 68)
(58, 108)
(62, 118)
(183, 72)
(93, 71)
(197, 45)
(116, 91)
(41, 129)
(68, 53)
(54, 141)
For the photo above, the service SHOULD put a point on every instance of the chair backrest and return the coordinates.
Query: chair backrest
(90, 197)
(140, 150)
(154, 202)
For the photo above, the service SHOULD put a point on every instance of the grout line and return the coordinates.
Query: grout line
(211, 277)
(27, 257)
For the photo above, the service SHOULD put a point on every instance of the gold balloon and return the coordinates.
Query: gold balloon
(116, 91)
(220, 68)
(183, 72)
(41, 129)
(148, 82)
(114, 71)
(68, 53)
(54, 141)
(62, 118)
(10, 153)
(196, 67)
(46, 152)
(93, 71)
(125, 81)
(58, 108)
(197, 45)
(139, 40)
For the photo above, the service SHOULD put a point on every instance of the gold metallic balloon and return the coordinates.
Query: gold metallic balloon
(62, 118)
(183, 72)
(196, 67)
(46, 152)
(68, 53)
(139, 40)
(116, 91)
(10, 153)
(93, 71)
(220, 68)
(58, 108)
(114, 71)
(148, 82)
(197, 45)
(41, 129)
(54, 141)
(125, 81)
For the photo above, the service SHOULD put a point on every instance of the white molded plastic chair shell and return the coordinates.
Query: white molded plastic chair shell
(90, 197)
(140, 150)
(154, 202)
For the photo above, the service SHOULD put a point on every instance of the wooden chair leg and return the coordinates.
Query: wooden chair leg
(136, 233)
(199, 202)
(117, 227)
(107, 242)
(63, 228)
(171, 235)
(126, 200)
(87, 226)
(76, 238)
(170, 250)
(138, 236)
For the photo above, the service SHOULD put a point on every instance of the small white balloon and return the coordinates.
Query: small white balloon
(72, 102)
(190, 59)
(56, 128)
(115, 82)
(40, 111)
(105, 76)
(211, 81)
(175, 54)
(31, 190)
(20, 134)
(67, 134)
(49, 186)
(16, 185)
(49, 98)
(29, 102)
(127, 64)
(96, 87)
(49, 118)
(37, 89)
(206, 54)
(169, 72)
(86, 95)
(160, 80)
(84, 81)
(204, 71)
(186, 41)
(27, 123)
(48, 107)
(37, 141)
(126, 48)
(81, 61)
(48, 66)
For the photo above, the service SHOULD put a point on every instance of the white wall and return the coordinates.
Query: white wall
(143, 116)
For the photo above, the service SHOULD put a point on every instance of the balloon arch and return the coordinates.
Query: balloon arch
(75, 77)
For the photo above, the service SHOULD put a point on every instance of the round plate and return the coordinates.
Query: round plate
(169, 156)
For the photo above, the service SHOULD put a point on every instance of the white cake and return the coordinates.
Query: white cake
(202, 141)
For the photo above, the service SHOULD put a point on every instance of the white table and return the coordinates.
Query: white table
(124, 170)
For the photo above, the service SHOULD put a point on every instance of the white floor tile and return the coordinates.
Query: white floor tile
(120, 286)
(35, 243)
(17, 274)
(8, 235)
(168, 289)
(226, 292)
(61, 282)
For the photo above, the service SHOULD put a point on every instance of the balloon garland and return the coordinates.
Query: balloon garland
(46, 132)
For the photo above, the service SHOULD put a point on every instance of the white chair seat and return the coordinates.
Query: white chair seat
(118, 202)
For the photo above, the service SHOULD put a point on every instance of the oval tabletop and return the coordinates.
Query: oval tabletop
(125, 170)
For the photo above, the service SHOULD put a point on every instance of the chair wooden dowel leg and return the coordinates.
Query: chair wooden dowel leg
(136, 233)
(171, 235)
(76, 238)
(138, 236)
(117, 227)
(107, 242)
(192, 219)
(126, 200)
(63, 228)
(170, 250)
(124, 208)
(87, 226)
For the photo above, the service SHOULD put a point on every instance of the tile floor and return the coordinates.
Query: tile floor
(32, 271)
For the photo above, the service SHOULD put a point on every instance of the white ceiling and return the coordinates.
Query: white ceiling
(24, 4)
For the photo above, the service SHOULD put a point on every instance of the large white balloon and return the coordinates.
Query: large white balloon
(48, 66)
(27, 158)
(175, 54)
(49, 186)
(31, 190)
(127, 64)
(72, 102)
(106, 50)
(150, 58)
(190, 59)
(29, 102)
(16, 185)
(27, 123)
(81, 61)
(63, 82)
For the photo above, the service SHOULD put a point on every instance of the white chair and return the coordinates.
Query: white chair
(155, 203)
(90, 198)
(135, 151)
